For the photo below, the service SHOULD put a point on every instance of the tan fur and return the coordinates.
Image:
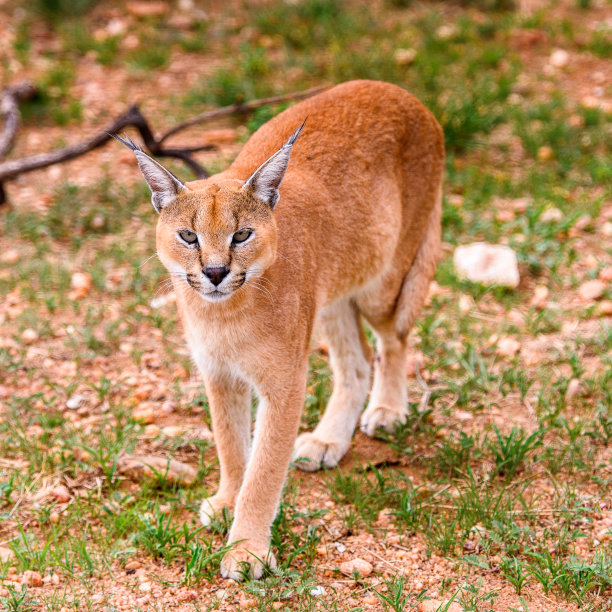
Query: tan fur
(355, 234)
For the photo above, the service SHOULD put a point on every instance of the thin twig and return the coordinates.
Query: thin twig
(244, 109)
(424, 401)
(401, 572)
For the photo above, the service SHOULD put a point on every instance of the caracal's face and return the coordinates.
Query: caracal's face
(217, 239)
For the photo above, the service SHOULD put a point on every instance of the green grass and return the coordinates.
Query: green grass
(501, 472)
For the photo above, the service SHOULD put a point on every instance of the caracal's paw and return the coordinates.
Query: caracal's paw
(212, 508)
(311, 453)
(382, 417)
(246, 563)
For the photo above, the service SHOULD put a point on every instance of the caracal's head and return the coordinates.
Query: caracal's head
(221, 236)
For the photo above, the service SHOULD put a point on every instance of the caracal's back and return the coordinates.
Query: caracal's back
(362, 181)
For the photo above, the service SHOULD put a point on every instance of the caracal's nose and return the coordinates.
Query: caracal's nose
(216, 273)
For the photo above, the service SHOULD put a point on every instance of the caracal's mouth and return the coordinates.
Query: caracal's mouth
(219, 295)
(216, 295)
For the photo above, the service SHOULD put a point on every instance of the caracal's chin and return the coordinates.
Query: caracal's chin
(216, 296)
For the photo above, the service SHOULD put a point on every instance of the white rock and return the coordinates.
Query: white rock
(115, 27)
(508, 347)
(317, 591)
(80, 280)
(76, 401)
(591, 290)
(540, 297)
(29, 335)
(490, 264)
(405, 56)
(466, 303)
(446, 31)
(173, 431)
(10, 257)
(574, 388)
(559, 58)
(551, 215)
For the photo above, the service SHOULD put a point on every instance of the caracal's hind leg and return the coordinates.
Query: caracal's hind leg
(230, 408)
(388, 405)
(349, 354)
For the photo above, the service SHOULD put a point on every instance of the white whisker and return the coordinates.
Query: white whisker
(147, 260)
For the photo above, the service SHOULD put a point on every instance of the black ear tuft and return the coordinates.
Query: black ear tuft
(163, 184)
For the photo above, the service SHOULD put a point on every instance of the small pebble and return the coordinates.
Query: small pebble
(188, 595)
(551, 215)
(605, 274)
(403, 57)
(559, 58)
(591, 290)
(540, 297)
(60, 494)
(10, 257)
(144, 414)
(356, 566)
(508, 347)
(133, 565)
(33, 579)
(317, 591)
(574, 388)
(76, 401)
(29, 335)
(545, 153)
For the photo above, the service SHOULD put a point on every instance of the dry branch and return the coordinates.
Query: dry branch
(131, 118)
(9, 108)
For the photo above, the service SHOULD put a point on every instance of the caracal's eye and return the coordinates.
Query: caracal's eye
(188, 236)
(241, 236)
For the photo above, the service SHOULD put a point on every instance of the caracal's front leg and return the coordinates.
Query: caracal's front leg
(276, 429)
(230, 408)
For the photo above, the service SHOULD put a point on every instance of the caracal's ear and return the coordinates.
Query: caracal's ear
(266, 180)
(163, 184)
